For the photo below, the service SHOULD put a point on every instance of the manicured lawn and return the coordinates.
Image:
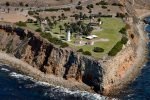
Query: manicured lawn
(110, 30)
(33, 26)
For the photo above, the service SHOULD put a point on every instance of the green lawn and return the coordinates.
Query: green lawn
(33, 26)
(110, 30)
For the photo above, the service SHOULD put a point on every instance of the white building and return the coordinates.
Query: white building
(68, 37)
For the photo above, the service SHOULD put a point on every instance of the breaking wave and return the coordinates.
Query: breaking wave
(55, 92)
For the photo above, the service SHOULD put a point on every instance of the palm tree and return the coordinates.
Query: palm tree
(60, 28)
(55, 23)
(81, 15)
(90, 11)
(53, 17)
(8, 10)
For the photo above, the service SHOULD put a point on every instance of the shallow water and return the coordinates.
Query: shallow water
(15, 86)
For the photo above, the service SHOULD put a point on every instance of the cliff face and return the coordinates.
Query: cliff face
(109, 75)
(44, 56)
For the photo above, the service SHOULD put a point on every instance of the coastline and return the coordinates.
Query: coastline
(134, 70)
(27, 69)
(130, 74)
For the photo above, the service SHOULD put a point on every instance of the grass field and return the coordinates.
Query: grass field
(33, 26)
(110, 30)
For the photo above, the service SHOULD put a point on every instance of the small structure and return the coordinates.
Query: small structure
(100, 23)
(68, 36)
(90, 37)
(90, 42)
(44, 25)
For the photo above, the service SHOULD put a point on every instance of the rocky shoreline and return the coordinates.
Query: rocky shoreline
(132, 71)
(115, 74)
(27, 69)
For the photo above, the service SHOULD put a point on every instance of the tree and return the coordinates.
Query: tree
(81, 15)
(8, 10)
(98, 49)
(84, 16)
(76, 17)
(87, 53)
(27, 5)
(90, 11)
(59, 18)
(79, 3)
(99, 19)
(60, 28)
(55, 23)
(53, 17)
(21, 4)
(7, 3)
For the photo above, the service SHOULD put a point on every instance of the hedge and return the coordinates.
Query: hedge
(87, 53)
(20, 23)
(54, 40)
(98, 49)
(117, 48)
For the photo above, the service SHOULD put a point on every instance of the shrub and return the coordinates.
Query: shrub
(124, 40)
(66, 9)
(87, 53)
(79, 7)
(63, 45)
(98, 49)
(104, 7)
(38, 30)
(30, 21)
(52, 9)
(7, 3)
(121, 15)
(117, 4)
(31, 12)
(102, 3)
(123, 31)
(117, 48)
(80, 50)
(20, 23)
(90, 6)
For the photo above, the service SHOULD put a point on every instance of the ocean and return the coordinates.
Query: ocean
(16, 86)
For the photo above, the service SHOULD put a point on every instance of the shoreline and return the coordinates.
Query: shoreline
(135, 69)
(27, 69)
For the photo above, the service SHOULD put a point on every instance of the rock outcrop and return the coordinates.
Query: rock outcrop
(104, 76)
(61, 62)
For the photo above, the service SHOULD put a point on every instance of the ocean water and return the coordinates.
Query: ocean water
(16, 86)
(140, 88)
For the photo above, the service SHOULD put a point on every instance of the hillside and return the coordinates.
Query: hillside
(37, 2)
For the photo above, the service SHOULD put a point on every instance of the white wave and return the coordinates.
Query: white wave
(42, 83)
(4, 69)
(16, 75)
(82, 94)
(58, 89)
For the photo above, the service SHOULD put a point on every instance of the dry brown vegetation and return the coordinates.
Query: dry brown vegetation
(38, 2)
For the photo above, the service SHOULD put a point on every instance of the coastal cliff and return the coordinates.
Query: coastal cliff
(61, 62)
(103, 76)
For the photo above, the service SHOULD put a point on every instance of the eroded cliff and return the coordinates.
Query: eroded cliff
(39, 53)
